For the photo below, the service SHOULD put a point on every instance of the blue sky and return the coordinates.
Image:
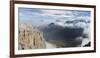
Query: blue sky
(38, 16)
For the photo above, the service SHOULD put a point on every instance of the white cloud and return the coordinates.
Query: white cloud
(80, 24)
(69, 25)
(52, 12)
(57, 13)
(86, 18)
(77, 25)
(62, 23)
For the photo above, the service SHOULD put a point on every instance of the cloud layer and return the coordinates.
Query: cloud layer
(46, 16)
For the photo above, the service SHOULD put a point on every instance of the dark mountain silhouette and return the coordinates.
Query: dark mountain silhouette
(68, 35)
(87, 45)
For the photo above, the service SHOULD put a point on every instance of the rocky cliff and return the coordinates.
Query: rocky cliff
(30, 37)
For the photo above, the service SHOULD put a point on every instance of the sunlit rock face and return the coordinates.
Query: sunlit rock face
(30, 37)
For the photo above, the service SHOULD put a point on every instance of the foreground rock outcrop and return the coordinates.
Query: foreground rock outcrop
(30, 37)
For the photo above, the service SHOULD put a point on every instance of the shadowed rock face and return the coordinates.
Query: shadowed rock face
(30, 37)
(68, 35)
